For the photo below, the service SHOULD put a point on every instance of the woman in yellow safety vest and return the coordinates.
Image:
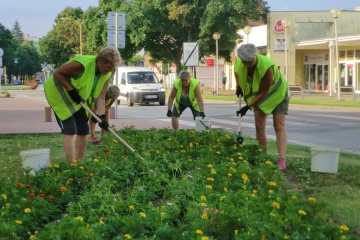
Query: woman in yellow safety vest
(264, 89)
(84, 79)
(185, 93)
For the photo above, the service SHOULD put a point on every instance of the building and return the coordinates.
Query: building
(303, 45)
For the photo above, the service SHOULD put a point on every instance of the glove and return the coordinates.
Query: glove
(202, 114)
(242, 111)
(169, 113)
(93, 119)
(104, 124)
(75, 96)
(239, 91)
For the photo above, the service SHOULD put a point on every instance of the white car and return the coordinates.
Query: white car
(139, 85)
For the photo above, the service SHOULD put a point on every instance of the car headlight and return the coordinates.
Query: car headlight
(135, 89)
(162, 89)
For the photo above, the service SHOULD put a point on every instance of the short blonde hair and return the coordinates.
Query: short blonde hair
(246, 52)
(109, 54)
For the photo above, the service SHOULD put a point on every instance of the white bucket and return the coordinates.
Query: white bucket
(35, 159)
(324, 159)
(202, 124)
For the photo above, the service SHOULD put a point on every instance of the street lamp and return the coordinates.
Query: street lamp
(286, 25)
(216, 36)
(335, 12)
(247, 31)
(79, 23)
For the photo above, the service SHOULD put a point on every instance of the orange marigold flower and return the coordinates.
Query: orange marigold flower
(18, 184)
(63, 189)
(27, 186)
(31, 195)
(106, 150)
(51, 197)
(43, 195)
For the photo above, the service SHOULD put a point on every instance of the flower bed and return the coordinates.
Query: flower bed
(190, 185)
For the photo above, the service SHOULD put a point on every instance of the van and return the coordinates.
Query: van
(139, 85)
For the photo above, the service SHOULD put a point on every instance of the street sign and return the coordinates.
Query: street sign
(113, 38)
(116, 29)
(116, 20)
(191, 54)
(140, 63)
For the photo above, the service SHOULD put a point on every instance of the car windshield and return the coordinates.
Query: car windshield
(142, 77)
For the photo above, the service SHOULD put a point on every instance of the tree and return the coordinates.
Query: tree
(162, 26)
(17, 33)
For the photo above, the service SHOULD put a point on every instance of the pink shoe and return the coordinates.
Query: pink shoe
(94, 140)
(281, 163)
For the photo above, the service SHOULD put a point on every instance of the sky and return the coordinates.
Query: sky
(36, 17)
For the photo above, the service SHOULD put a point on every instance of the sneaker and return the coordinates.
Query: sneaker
(94, 140)
(281, 163)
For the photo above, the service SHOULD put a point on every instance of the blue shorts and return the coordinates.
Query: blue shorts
(182, 108)
(77, 124)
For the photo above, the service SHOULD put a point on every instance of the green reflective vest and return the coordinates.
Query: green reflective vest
(58, 97)
(178, 86)
(278, 88)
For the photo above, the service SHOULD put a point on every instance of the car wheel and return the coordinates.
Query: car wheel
(162, 103)
(129, 102)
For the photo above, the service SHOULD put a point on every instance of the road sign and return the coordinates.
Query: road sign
(140, 63)
(116, 20)
(114, 38)
(191, 54)
(116, 29)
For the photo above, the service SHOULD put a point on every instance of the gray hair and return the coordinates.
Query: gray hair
(247, 52)
(184, 75)
(109, 54)
(113, 91)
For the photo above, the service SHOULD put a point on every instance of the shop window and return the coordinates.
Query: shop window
(357, 54)
(350, 55)
(342, 55)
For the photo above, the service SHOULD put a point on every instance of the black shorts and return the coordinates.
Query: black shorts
(77, 124)
(282, 108)
(182, 108)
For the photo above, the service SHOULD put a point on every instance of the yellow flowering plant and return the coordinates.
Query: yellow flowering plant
(189, 185)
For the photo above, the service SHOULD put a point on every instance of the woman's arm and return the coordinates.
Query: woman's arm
(199, 97)
(100, 101)
(63, 73)
(171, 98)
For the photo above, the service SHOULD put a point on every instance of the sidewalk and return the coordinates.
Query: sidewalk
(25, 115)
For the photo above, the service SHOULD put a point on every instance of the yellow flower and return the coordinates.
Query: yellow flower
(209, 179)
(127, 236)
(293, 197)
(229, 175)
(162, 213)
(286, 237)
(208, 186)
(222, 198)
(81, 167)
(101, 221)
(311, 199)
(213, 172)
(131, 207)
(218, 152)
(203, 198)
(245, 178)
(142, 214)
(27, 210)
(271, 191)
(236, 232)
(343, 237)
(231, 169)
(225, 189)
(202, 204)
(199, 232)
(115, 141)
(204, 216)
(231, 159)
(79, 218)
(24, 199)
(70, 180)
(260, 150)
(183, 151)
(273, 184)
(272, 215)
(4, 196)
(18, 222)
(268, 162)
(302, 212)
(32, 237)
(344, 228)
(191, 145)
(275, 205)
(210, 165)
(56, 165)
(205, 238)
(50, 165)
(36, 232)
(96, 160)
(7, 205)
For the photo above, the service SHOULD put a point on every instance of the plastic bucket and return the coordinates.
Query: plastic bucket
(324, 159)
(202, 124)
(35, 159)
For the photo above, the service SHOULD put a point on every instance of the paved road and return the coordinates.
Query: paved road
(307, 126)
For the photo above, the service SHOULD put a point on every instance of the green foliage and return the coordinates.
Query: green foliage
(188, 185)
